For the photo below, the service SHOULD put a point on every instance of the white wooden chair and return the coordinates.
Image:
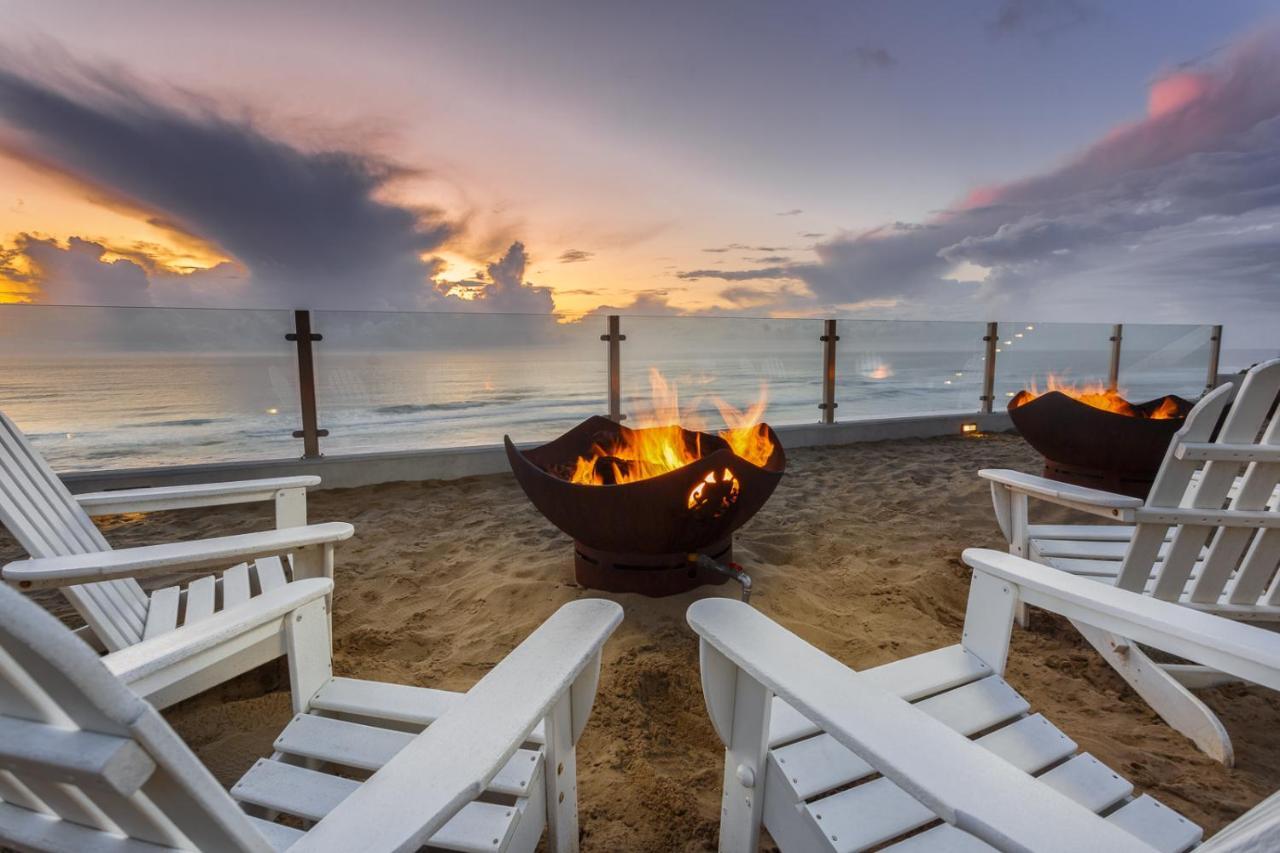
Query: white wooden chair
(937, 752)
(87, 765)
(67, 551)
(1207, 537)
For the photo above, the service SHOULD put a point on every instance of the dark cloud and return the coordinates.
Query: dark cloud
(1041, 19)
(795, 211)
(573, 256)
(874, 58)
(812, 235)
(738, 275)
(772, 259)
(718, 249)
(306, 225)
(1174, 217)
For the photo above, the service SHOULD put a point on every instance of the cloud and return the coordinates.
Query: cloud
(1170, 217)
(646, 303)
(795, 211)
(874, 58)
(772, 259)
(77, 274)
(1041, 19)
(306, 225)
(501, 289)
(812, 235)
(573, 256)
(738, 275)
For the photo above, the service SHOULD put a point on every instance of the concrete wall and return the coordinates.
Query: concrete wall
(448, 464)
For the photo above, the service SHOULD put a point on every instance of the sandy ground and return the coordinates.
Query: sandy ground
(857, 552)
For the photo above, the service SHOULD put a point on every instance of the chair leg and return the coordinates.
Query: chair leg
(742, 806)
(561, 772)
(1175, 704)
(310, 652)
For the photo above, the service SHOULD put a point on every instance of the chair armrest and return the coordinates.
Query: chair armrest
(1245, 651)
(961, 782)
(1094, 501)
(150, 656)
(452, 762)
(221, 552)
(184, 497)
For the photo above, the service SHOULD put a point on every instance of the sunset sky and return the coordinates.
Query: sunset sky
(1067, 160)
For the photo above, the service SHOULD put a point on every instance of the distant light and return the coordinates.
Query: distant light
(1017, 334)
(273, 411)
(999, 350)
(946, 382)
(1031, 328)
(70, 436)
(1009, 393)
(968, 429)
(959, 373)
(1008, 343)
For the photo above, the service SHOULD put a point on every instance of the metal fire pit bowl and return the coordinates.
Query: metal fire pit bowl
(1091, 447)
(637, 537)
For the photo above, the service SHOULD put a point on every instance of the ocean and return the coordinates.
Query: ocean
(109, 390)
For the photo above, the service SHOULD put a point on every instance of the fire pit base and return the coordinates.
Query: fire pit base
(655, 575)
(1116, 482)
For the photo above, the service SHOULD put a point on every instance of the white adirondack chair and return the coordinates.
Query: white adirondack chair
(87, 765)
(937, 752)
(1207, 537)
(67, 551)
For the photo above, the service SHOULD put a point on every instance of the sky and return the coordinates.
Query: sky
(1048, 160)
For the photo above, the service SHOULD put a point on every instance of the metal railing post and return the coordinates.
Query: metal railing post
(828, 404)
(1113, 375)
(988, 398)
(310, 432)
(1215, 352)
(614, 338)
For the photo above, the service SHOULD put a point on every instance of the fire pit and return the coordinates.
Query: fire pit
(641, 504)
(1092, 436)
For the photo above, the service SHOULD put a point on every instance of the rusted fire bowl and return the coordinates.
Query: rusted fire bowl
(1092, 447)
(637, 537)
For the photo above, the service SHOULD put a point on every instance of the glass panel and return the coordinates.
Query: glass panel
(1159, 360)
(892, 368)
(138, 387)
(710, 358)
(410, 381)
(1029, 353)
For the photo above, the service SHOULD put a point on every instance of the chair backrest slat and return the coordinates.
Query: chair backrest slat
(1235, 562)
(1173, 482)
(49, 677)
(41, 513)
(1257, 491)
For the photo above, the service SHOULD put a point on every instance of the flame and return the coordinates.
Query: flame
(1098, 396)
(658, 444)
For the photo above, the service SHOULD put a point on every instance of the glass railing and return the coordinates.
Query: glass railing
(141, 387)
(130, 387)
(896, 368)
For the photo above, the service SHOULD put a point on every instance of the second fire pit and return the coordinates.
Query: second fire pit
(633, 532)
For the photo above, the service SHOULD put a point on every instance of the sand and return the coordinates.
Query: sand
(857, 552)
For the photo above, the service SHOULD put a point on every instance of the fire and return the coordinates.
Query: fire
(657, 445)
(1100, 397)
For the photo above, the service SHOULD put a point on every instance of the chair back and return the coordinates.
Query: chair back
(1219, 499)
(86, 761)
(41, 513)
